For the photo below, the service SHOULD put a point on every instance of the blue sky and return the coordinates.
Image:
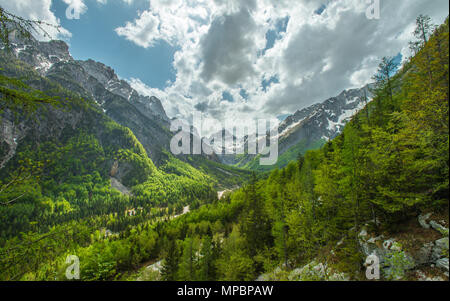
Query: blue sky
(93, 37)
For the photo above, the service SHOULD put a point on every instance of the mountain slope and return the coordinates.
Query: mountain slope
(143, 115)
(309, 128)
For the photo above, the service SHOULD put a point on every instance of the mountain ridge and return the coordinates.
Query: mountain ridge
(308, 128)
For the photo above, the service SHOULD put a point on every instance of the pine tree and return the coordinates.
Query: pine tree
(386, 69)
(171, 262)
(207, 258)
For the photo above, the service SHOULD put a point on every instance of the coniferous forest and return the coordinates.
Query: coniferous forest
(318, 217)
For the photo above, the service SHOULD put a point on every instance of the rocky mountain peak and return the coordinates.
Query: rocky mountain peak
(104, 74)
(329, 116)
(53, 58)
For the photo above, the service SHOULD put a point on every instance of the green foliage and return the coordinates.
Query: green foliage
(23, 28)
(397, 263)
(390, 162)
(222, 176)
(285, 158)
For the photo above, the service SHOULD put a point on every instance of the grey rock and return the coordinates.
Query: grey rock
(440, 246)
(438, 227)
(375, 239)
(10, 135)
(390, 245)
(339, 277)
(424, 254)
(363, 233)
(312, 271)
(442, 243)
(421, 276)
(369, 246)
(443, 264)
(119, 186)
(423, 220)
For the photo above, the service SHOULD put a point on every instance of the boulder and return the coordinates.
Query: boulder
(390, 244)
(421, 275)
(363, 234)
(374, 240)
(369, 246)
(438, 227)
(423, 256)
(311, 271)
(423, 220)
(263, 277)
(442, 264)
(339, 277)
(440, 246)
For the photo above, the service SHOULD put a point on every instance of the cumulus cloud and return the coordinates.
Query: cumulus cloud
(77, 7)
(143, 32)
(229, 49)
(36, 10)
(326, 47)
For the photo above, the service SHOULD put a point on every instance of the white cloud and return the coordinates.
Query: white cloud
(318, 56)
(143, 32)
(76, 7)
(36, 10)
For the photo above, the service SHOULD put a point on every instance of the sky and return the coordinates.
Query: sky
(236, 59)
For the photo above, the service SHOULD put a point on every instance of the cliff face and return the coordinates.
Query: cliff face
(53, 126)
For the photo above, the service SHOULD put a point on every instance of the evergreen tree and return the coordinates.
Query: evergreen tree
(171, 262)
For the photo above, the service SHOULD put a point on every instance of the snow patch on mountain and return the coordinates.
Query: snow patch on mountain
(327, 119)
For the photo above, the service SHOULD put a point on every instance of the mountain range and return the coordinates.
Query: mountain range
(308, 128)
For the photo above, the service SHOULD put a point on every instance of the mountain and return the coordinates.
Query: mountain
(309, 128)
(144, 115)
(325, 120)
